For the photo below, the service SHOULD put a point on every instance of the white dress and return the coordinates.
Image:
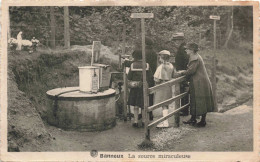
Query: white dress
(163, 73)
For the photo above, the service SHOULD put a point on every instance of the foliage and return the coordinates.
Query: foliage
(105, 23)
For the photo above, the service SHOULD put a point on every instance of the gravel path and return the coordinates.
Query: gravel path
(229, 131)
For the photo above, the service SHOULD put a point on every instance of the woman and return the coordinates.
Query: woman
(201, 96)
(163, 73)
(135, 78)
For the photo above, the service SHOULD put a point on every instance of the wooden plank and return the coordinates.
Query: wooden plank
(166, 117)
(169, 83)
(167, 102)
(142, 15)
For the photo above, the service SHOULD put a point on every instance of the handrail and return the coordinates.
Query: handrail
(166, 117)
(168, 83)
(166, 102)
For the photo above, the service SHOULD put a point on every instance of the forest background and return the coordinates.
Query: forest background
(107, 24)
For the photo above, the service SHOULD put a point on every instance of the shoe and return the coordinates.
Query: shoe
(135, 125)
(190, 122)
(201, 124)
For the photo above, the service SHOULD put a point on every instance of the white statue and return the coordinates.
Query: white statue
(19, 41)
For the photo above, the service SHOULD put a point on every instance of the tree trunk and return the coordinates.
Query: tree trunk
(66, 27)
(124, 39)
(52, 28)
(231, 29)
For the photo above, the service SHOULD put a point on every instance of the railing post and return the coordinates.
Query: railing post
(177, 105)
(147, 117)
(125, 93)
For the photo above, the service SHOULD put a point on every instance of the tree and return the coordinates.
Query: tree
(53, 24)
(66, 27)
(230, 17)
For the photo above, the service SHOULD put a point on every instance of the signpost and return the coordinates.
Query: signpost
(142, 16)
(214, 17)
(214, 85)
(124, 75)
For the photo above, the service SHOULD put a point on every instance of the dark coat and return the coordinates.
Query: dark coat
(135, 74)
(202, 100)
(181, 58)
(181, 62)
(151, 58)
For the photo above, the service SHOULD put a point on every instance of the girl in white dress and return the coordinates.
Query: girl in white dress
(163, 73)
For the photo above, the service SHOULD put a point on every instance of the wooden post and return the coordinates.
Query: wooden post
(123, 48)
(214, 85)
(124, 74)
(145, 85)
(213, 76)
(125, 94)
(119, 52)
(177, 105)
(52, 28)
(66, 27)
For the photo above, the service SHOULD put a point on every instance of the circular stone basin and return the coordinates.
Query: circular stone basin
(71, 109)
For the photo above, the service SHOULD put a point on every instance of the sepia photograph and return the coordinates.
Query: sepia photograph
(130, 82)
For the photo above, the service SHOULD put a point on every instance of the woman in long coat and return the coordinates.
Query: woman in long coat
(201, 96)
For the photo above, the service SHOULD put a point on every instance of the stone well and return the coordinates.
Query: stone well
(71, 109)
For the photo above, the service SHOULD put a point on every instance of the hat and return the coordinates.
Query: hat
(164, 52)
(192, 46)
(177, 36)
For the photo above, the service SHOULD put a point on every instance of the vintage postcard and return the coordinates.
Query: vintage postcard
(149, 80)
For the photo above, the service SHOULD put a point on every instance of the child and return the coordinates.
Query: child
(163, 73)
(135, 83)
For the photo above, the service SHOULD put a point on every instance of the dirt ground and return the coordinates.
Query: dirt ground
(229, 131)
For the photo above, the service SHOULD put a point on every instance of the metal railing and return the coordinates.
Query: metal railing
(176, 99)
